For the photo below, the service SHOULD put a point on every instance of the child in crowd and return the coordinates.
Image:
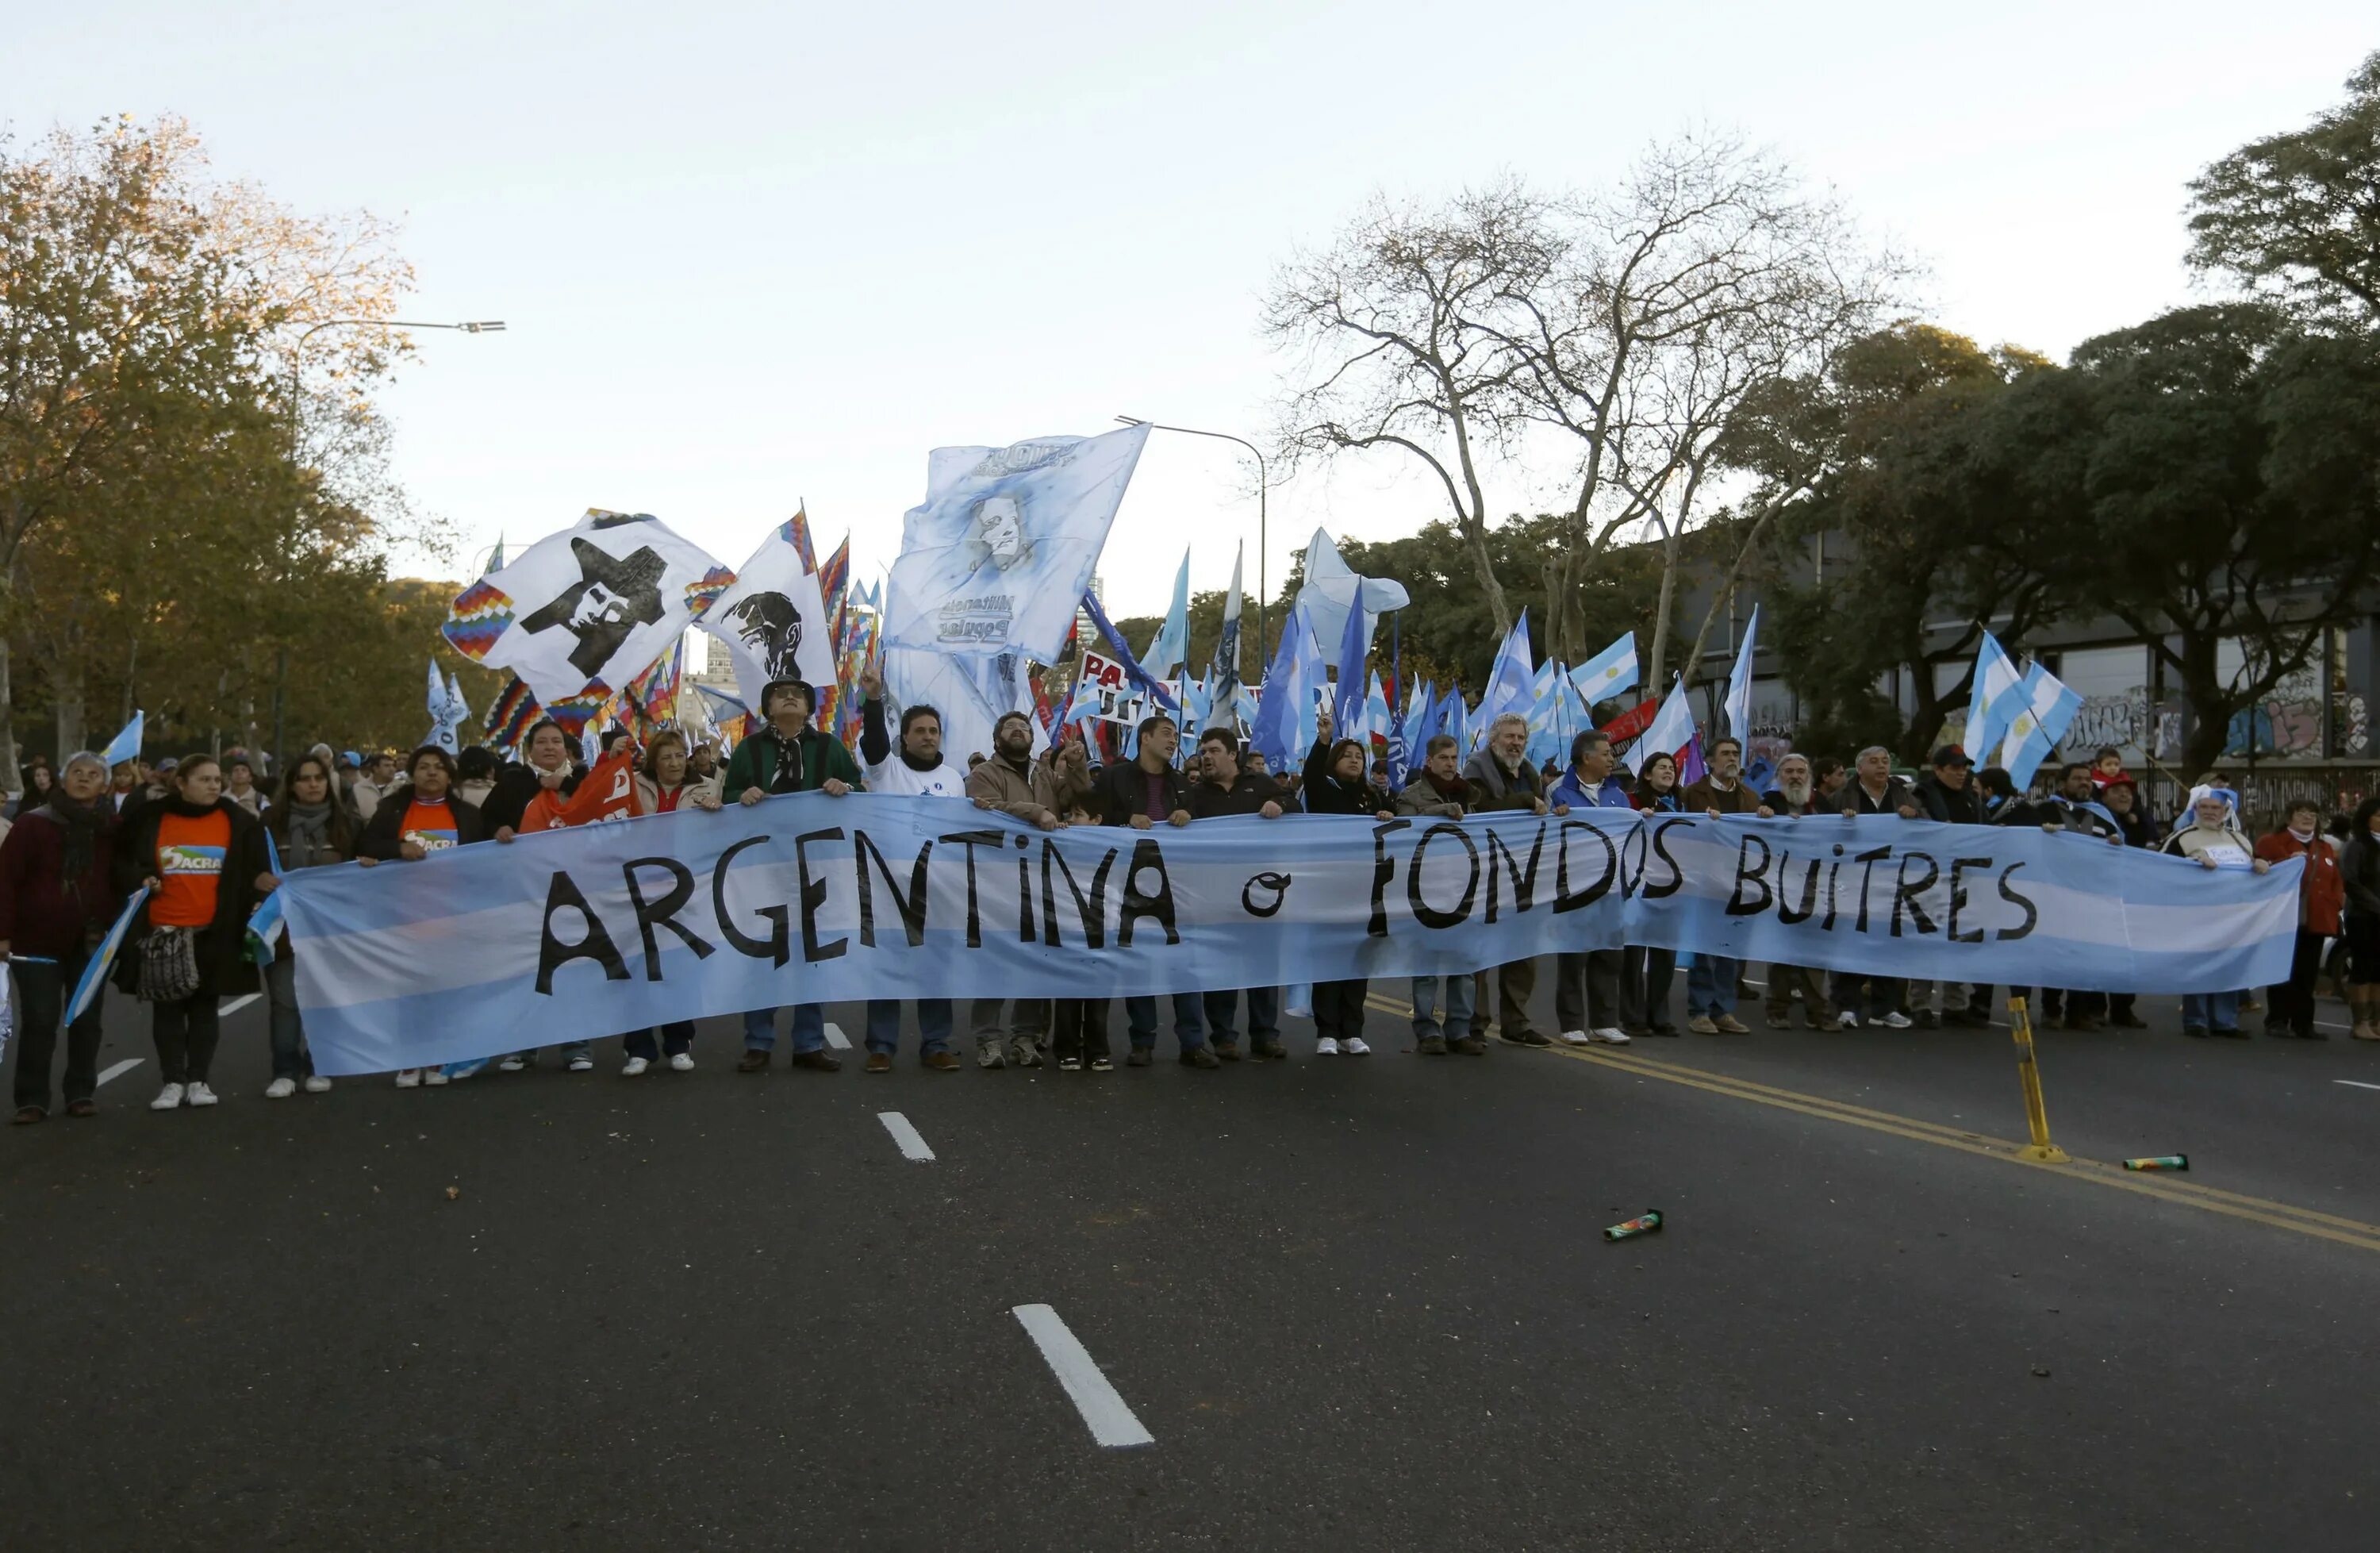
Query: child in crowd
(1078, 1026)
(2106, 766)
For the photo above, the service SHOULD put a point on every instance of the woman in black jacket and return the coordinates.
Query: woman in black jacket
(202, 859)
(309, 829)
(1336, 783)
(422, 815)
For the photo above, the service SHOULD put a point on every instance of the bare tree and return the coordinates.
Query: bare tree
(1706, 278)
(1404, 328)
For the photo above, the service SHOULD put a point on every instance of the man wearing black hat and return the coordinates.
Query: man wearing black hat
(788, 756)
(1950, 794)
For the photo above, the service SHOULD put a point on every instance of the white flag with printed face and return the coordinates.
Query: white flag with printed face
(580, 613)
(773, 620)
(997, 557)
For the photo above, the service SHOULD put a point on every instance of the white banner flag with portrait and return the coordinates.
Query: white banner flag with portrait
(580, 613)
(773, 620)
(996, 559)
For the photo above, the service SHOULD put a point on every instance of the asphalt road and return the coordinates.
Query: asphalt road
(1356, 1303)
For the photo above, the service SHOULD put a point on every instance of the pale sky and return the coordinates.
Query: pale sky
(755, 254)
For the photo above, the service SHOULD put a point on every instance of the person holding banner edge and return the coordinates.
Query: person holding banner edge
(56, 902)
(788, 756)
(310, 828)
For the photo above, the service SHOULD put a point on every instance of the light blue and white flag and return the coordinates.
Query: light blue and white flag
(1332, 588)
(2044, 709)
(1992, 700)
(1672, 729)
(1738, 683)
(1282, 729)
(1455, 719)
(1512, 682)
(995, 558)
(1608, 673)
(94, 975)
(1170, 649)
(1227, 644)
(808, 898)
(265, 925)
(126, 745)
(1354, 651)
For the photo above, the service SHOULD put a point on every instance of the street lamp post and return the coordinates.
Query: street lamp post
(297, 366)
(1263, 484)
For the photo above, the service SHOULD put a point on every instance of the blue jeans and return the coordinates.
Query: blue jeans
(1460, 993)
(2210, 1010)
(808, 1028)
(1189, 1020)
(1264, 1014)
(1711, 986)
(884, 1024)
(290, 1057)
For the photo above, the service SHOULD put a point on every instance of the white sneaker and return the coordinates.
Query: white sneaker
(633, 1066)
(582, 1064)
(682, 1063)
(1610, 1035)
(281, 1089)
(1894, 1021)
(1847, 1020)
(199, 1095)
(512, 1064)
(317, 1085)
(434, 1078)
(168, 1098)
(1573, 1038)
(409, 1078)
(1327, 1046)
(1354, 1046)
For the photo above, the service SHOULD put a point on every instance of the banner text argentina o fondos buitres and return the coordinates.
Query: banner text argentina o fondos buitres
(588, 931)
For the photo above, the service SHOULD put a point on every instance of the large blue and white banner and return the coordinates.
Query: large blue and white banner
(582, 933)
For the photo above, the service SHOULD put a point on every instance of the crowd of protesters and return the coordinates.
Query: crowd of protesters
(208, 844)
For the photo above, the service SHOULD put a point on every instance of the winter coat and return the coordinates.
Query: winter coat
(774, 764)
(42, 913)
(225, 970)
(1493, 787)
(1326, 794)
(1030, 795)
(648, 792)
(1424, 801)
(2359, 874)
(1703, 794)
(1610, 793)
(1959, 806)
(516, 787)
(1125, 787)
(1854, 799)
(381, 836)
(2321, 891)
(1247, 795)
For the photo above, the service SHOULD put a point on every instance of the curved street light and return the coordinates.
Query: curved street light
(1263, 484)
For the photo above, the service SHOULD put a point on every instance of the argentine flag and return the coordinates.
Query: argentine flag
(126, 745)
(1992, 704)
(1607, 672)
(1512, 683)
(2044, 707)
(1672, 729)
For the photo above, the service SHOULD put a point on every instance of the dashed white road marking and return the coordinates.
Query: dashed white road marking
(836, 1038)
(236, 1004)
(913, 1146)
(1111, 1423)
(119, 1069)
(2356, 1083)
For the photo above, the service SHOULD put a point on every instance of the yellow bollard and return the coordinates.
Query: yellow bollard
(2036, 1115)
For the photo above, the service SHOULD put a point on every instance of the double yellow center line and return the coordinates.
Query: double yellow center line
(2280, 1215)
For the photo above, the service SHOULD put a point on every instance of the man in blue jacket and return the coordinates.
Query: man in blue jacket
(1587, 986)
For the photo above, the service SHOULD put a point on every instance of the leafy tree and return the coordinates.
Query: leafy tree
(2296, 216)
(2228, 467)
(1932, 508)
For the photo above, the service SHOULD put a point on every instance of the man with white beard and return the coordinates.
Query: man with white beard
(1796, 796)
